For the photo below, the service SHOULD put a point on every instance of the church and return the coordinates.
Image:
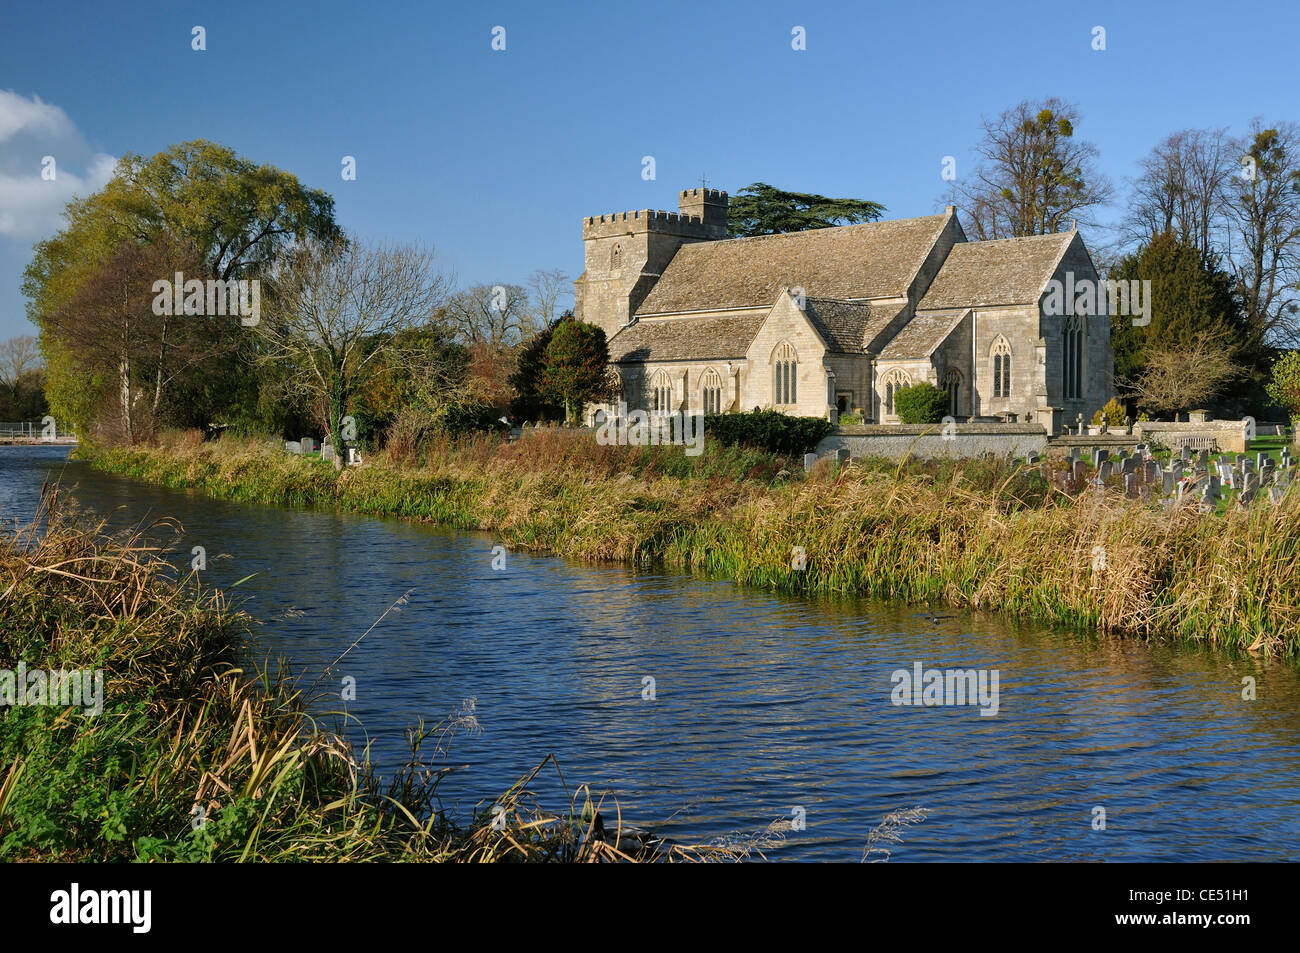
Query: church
(833, 321)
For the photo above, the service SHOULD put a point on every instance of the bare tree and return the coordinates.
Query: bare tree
(18, 355)
(1263, 203)
(495, 316)
(337, 315)
(1186, 376)
(1034, 176)
(548, 288)
(1182, 189)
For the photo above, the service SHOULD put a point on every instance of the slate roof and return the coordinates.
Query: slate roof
(1005, 271)
(873, 260)
(685, 339)
(920, 336)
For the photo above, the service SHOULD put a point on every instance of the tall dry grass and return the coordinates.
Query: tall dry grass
(980, 534)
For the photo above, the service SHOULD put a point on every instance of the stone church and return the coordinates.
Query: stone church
(835, 320)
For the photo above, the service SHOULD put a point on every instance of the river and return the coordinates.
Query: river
(765, 706)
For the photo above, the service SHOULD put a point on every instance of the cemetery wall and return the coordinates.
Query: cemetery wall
(894, 442)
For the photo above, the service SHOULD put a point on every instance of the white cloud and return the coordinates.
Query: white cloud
(31, 206)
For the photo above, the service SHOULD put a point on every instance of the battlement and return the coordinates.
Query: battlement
(711, 195)
(650, 220)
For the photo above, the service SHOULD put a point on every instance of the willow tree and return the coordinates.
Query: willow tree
(338, 315)
(239, 215)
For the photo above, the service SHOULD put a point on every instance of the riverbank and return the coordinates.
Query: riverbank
(131, 733)
(971, 535)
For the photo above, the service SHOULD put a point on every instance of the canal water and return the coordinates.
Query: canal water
(764, 707)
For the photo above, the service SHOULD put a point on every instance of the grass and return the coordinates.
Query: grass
(979, 534)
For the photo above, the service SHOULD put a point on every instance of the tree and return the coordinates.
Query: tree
(548, 287)
(238, 215)
(1190, 295)
(1182, 189)
(921, 403)
(1186, 376)
(1284, 383)
(496, 316)
(128, 354)
(761, 209)
(527, 401)
(576, 369)
(337, 315)
(1263, 202)
(1034, 176)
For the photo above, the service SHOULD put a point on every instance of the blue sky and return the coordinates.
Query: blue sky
(495, 157)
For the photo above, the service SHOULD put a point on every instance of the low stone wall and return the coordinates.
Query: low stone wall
(894, 442)
(1226, 435)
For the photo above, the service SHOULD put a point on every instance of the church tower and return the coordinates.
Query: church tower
(626, 252)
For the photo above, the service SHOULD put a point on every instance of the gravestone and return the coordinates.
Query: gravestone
(1260, 461)
(327, 452)
(808, 460)
(1211, 493)
(1186, 453)
(1128, 465)
(1276, 494)
(1106, 468)
(293, 446)
(308, 445)
(1203, 459)
(842, 456)
(1168, 486)
(1076, 470)
(1130, 484)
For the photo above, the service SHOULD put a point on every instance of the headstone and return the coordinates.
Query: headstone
(1076, 470)
(842, 456)
(1168, 486)
(1130, 484)
(1260, 460)
(293, 446)
(1106, 468)
(1123, 455)
(1248, 495)
(1211, 493)
(1186, 453)
(354, 456)
(1129, 465)
(1097, 456)
(308, 445)
(327, 452)
(1203, 460)
(1033, 459)
(808, 460)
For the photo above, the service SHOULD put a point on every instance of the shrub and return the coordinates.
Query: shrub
(921, 404)
(768, 430)
(1112, 414)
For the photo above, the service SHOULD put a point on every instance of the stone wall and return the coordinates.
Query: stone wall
(927, 442)
(1227, 435)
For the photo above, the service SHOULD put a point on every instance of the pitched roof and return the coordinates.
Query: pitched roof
(1003, 271)
(685, 339)
(874, 260)
(841, 324)
(920, 336)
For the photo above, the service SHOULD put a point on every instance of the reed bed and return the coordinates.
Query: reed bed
(977, 534)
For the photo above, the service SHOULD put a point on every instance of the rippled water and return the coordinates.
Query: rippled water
(763, 702)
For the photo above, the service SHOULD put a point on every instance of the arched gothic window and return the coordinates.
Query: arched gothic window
(952, 383)
(711, 391)
(1072, 343)
(785, 374)
(661, 394)
(895, 380)
(1001, 352)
